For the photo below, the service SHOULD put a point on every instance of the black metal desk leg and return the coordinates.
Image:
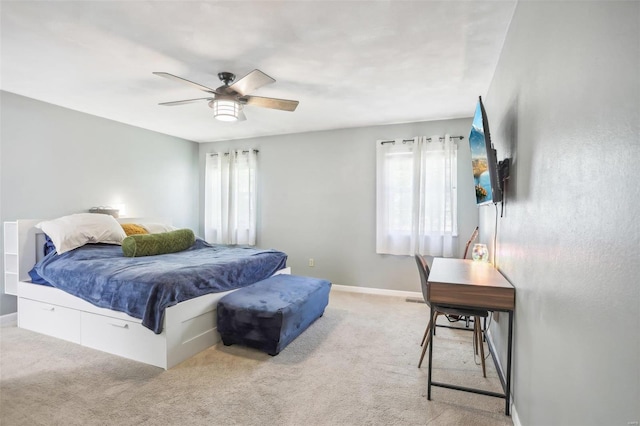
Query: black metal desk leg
(507, 391)
(433, 326)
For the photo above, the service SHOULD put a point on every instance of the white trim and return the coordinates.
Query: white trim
(9, 319)
(379, 291)
(514, 415)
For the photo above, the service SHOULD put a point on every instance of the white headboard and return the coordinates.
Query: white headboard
(29, 237)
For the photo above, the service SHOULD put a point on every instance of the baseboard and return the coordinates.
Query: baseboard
(378, 291)
(9, 318)
(496, 360)
(514, 415)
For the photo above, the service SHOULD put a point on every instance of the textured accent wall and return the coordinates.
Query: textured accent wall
(564, 104)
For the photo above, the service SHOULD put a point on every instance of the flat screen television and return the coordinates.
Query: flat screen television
(483, 159)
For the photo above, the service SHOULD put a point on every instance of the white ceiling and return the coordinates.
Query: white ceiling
(349, 63)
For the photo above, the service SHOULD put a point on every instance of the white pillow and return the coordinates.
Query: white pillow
(76, 230)
(157, 228)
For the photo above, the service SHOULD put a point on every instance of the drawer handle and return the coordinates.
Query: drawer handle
(119, 325)
(49, 308)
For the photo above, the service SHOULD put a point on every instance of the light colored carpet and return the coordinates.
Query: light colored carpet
(357, 365)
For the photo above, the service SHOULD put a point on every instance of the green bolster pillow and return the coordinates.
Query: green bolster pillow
(153, 244)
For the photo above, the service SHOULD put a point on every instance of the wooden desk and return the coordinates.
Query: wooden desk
(469, 284)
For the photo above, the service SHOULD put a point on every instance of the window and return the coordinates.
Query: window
(416, 196)
(231, 197)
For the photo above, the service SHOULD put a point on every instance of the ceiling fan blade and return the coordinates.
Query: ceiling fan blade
(250, 82)
(186, 101)
(273, 103)
(184, 80)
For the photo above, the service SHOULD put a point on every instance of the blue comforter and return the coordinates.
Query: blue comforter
(144, 286)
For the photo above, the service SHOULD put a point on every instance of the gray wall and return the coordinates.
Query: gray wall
(56, 161)
(564, 104)
(317, 199)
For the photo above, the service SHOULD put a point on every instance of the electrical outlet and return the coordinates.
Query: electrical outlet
(312, 263)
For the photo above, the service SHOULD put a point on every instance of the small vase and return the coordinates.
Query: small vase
(480, 253)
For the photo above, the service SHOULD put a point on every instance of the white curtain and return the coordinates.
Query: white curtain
(231, 197)
(417, 197)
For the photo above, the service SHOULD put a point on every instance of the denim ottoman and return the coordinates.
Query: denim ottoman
(269, 314)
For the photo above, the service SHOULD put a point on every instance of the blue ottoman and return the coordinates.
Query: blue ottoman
(269, 314)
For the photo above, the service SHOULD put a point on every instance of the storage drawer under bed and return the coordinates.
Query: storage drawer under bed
(125, 338)
(49, 319)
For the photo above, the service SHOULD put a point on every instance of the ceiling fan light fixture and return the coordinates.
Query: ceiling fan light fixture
(225, 109)
(228, 100)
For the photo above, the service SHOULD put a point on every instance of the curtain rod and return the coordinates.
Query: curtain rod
(429, 139)
(213, 154)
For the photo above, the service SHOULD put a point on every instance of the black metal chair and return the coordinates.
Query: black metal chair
(424, 270)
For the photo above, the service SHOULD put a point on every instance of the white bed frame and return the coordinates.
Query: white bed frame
(188, 328)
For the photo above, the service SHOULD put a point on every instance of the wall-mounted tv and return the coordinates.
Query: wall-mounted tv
(483, 159)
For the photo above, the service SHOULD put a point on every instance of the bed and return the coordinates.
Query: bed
(184, 328)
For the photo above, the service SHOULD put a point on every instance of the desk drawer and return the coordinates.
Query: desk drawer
(124, 338)
(474, 296)
(48, 319)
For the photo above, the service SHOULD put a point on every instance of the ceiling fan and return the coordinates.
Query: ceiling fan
(228, 100)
